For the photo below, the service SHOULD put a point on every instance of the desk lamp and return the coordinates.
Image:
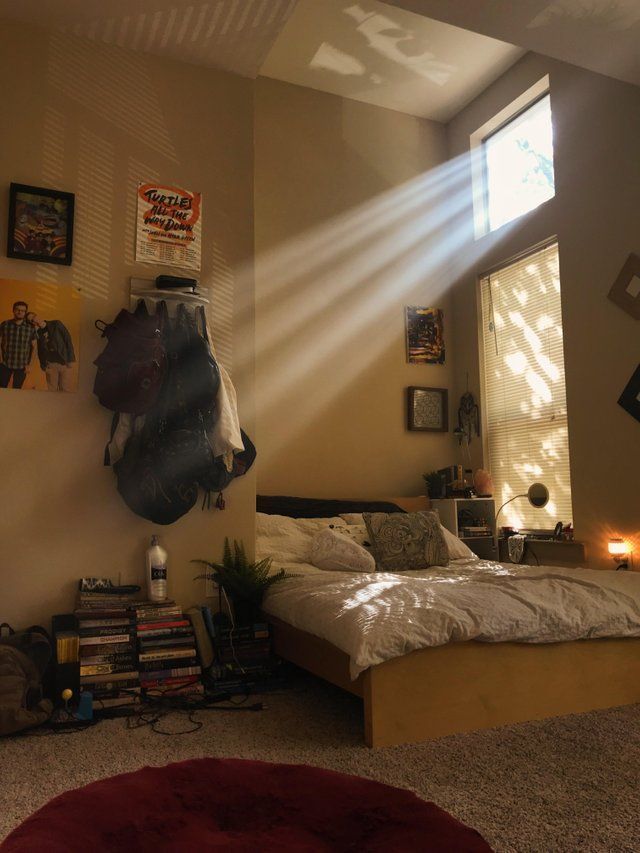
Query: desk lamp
(537, 494)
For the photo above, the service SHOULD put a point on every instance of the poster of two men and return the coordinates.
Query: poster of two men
(39, 335)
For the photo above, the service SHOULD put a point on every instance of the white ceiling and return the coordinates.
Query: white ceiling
(389, 54)
(601, 35)
(369, 51)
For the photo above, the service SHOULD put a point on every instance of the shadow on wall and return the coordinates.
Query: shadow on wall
(225, 33)
(115, 85)
(117, 90)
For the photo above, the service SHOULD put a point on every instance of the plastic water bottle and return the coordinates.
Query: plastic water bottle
(156, 571)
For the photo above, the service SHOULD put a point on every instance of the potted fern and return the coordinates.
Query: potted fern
(433, 482)
(244, 583)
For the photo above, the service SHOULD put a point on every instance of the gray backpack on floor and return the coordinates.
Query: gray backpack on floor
(23, 660)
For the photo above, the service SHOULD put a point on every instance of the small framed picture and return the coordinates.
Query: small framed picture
(428, 409)
(630, 397)
(425, 335)
(40, 224)
(625, 291)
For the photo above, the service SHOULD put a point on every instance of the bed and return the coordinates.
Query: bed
(412, 691)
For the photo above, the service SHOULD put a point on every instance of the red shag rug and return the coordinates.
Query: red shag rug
(232, 805)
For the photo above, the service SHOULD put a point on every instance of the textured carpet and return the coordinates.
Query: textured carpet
(567, 784)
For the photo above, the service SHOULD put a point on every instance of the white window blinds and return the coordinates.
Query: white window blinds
(524, 388)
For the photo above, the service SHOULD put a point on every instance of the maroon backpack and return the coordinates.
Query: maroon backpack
(132, 366)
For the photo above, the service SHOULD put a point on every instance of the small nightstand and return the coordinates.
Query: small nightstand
(482, 510)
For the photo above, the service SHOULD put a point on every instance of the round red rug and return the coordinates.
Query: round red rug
(232, 805)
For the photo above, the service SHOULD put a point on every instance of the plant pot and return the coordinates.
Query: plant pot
(245, 611)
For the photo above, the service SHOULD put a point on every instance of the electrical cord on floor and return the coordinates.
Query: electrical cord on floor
(157, 708)
(152, 710)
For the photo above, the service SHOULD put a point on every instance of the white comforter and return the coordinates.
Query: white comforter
(376, 617)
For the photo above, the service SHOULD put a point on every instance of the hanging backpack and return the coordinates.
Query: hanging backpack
(159, 470)
(132, 367)
(217, 477)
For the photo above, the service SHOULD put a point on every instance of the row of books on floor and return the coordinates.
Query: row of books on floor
(127, 645)
(243, 657)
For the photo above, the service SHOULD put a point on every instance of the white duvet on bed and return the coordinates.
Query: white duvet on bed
(376, 617)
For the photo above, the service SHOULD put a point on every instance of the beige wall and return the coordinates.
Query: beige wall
(596, 217)
(350, 228)
(94, 120)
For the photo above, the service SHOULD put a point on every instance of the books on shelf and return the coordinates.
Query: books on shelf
(126, 643)
(167, 653)
(107, 656)
(94, 639)
(157, 677)
(167, 649)
(67, 646)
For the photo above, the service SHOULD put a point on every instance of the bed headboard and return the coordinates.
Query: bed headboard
(327, 508)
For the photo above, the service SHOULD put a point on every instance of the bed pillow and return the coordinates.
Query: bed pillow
(335, 551)
(405, 542)
(288, 540)
(357, 532)
(456, 547)
(352, 517)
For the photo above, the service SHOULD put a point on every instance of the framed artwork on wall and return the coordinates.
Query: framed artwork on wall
(625, 291)
(427, 409)
(40, 224)
(39, 336)
(630, 397)
(425, 335)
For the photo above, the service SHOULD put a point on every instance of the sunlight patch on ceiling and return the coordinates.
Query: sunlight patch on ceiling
(375, 53)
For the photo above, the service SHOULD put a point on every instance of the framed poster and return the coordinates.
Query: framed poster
(428, 409)
(40, 224)
(425, 335)
(39, 336)
(630, 397)
(169, 226)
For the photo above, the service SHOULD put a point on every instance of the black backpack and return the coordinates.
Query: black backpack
(159, 471)
(217, 477)
(132, 366)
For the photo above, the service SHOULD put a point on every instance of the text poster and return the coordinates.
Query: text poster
(169, 226)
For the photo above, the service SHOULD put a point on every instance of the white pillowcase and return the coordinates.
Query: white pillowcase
(335, 551)
(456, 547)
(352, 517)
(288, 540)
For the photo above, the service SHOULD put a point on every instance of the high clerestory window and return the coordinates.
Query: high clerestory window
(525, 407)
(513, 160)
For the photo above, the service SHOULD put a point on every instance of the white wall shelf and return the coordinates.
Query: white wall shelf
(482, 511)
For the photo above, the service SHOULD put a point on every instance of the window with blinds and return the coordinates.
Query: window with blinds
(525, 405)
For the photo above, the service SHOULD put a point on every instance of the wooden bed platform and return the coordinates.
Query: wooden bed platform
(462, 687)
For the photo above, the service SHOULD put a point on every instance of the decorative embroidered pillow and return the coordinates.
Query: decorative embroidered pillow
(405, 541)
(336, 552)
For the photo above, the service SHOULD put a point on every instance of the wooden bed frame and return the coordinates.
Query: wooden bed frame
(462, 687)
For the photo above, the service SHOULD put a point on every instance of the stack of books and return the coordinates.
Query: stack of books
(108, 657)
(243, 657)
(472, 531)
(167, 657)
